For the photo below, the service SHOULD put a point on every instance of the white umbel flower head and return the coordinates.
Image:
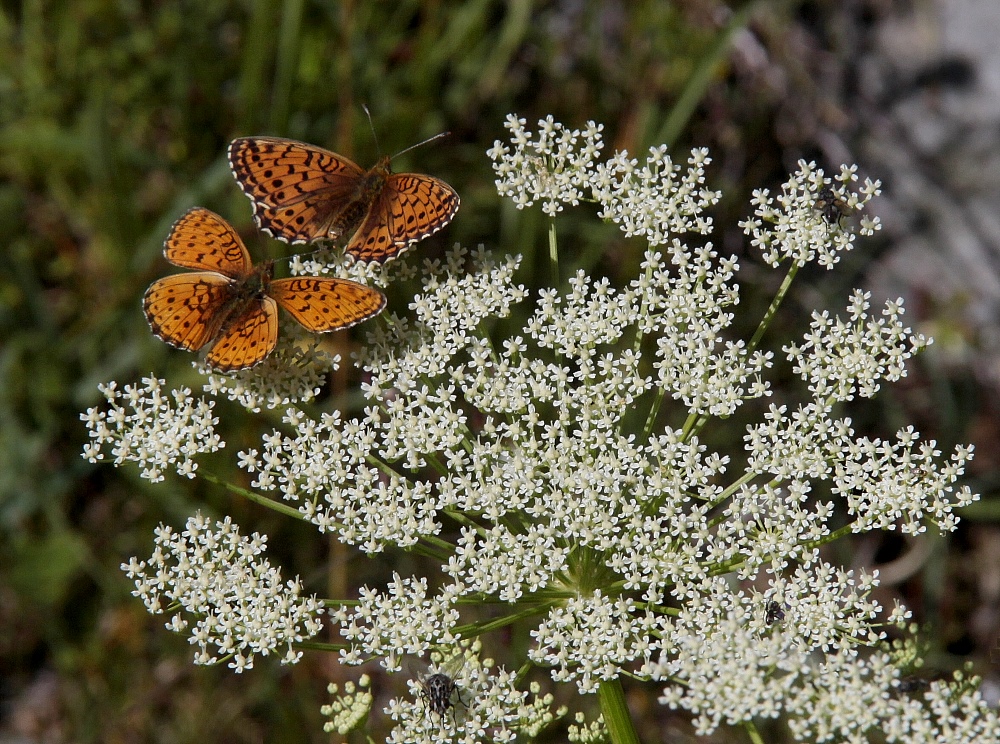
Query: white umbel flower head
(224, 593)
(155, 428)
(575, 470)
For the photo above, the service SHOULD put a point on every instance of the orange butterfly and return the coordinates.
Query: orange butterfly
(232, 305)
(301, 193)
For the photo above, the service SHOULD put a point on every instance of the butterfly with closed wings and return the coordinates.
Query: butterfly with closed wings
(230, 306)
(302, 193)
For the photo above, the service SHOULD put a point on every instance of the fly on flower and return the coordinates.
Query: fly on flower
(439, 691)
(773, 613)
(832, 207)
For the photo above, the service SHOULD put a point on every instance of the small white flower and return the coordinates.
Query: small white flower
(156, 430)
(237, 603)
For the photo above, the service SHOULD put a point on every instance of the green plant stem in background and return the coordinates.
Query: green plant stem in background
(752, 732)
(286, 64)
(703, 75)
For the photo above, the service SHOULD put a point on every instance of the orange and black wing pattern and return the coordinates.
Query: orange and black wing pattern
(410, 208)
(295, 189)
(323, 304)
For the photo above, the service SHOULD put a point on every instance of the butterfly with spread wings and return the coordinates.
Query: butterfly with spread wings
(230, 306)
(302, 193)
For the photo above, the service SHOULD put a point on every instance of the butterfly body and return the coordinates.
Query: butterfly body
(302, 193)
(230, 307)
(243, 296)
(367, 190)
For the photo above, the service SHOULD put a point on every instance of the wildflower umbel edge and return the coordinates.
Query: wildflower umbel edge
(590, 512)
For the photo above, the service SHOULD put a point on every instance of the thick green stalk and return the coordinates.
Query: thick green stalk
(616, 715)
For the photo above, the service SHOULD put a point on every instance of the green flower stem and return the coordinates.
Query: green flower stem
(474, 629)
(729, 491)
(553, 253)
(382, 465)
(434, 462)
(436, 548)
(736, 563)
(752, 732)
(773, 309)
(643, 309)
(288, 511)
(616, 715)
(522, 673)
(464, 520)
(319, 646)
(338, 603)
(653, 411)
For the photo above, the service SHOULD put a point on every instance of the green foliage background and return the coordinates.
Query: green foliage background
(115, 117)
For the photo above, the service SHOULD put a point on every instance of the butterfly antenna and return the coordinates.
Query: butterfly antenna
(293, 256)
(420, 144)
(371, 125)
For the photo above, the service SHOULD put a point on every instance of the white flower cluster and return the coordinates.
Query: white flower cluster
(591, 639)
(156, 429)
(840, 359)
(655, 201)
(336, 470)
(725, 662)
(551, 169)
(582, 732)
(804, 223)
(571, 456)
(558, 166)
(886, 485)
(402, 620)
(901, 483)
(485, 705)
(850, 699)
(532, 446)
(237, 603)
(687, 304)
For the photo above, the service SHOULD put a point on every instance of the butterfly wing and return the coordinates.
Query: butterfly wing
(184, 309)
(295, 188)
(326, 304)
(201, 239)
(248, 340)
(411, 207)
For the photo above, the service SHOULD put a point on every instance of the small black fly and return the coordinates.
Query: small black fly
(439, 692)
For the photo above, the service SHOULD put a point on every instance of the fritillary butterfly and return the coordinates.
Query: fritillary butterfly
(231, 306)
(301, 193)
